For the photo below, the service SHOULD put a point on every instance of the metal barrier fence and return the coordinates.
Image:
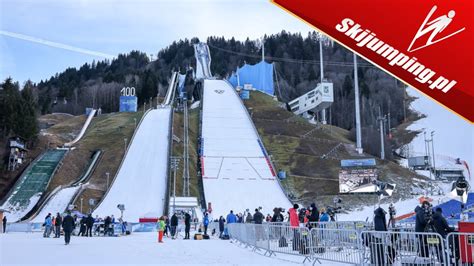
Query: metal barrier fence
(460, 249)
(402, 248)
(340, 245)
(353, 246)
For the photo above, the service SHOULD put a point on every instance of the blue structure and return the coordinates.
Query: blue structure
(128, 103)
(259, 75)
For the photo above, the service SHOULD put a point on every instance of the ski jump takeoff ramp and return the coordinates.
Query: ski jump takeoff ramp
(140, 183)
(237, 173)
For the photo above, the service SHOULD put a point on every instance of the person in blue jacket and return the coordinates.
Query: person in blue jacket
(48, 225)
(324, 217)
(205, 222)
(231, 218)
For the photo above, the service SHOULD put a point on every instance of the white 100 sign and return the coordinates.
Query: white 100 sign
(128, 91)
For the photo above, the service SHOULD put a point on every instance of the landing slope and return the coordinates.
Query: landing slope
(141, 180)
(236, 170)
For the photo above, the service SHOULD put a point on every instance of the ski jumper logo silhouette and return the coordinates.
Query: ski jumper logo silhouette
(434, 26)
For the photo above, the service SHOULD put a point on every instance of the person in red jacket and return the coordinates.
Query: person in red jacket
(293, 212)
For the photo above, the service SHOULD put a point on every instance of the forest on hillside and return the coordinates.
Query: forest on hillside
(296, 61)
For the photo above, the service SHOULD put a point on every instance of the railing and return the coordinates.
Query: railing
(333, 242)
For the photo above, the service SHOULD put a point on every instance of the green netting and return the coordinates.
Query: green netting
(36, 178)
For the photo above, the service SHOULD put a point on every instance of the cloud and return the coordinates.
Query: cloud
(54, 44)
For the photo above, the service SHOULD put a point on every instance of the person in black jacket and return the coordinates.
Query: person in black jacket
(258, 217)
(221, 226)
(174, 225)
(187, 225)
(68, 226)
(107, 223)
(423, 224)
(82, 228)
(277, 216)
(313, 216)
(57, 224)
(380, 222)
(440, 224)
(89, 225)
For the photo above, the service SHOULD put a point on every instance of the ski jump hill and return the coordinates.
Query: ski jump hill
(236, 169)
(140, 183)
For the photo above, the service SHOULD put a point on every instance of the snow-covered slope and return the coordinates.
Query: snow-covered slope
(57, 203)
(453, 137)
(237, 174)
(141, 180)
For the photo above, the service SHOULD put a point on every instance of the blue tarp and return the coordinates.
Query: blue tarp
(259, 75)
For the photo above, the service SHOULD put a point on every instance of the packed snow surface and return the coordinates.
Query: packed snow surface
(236, 171)
(57, 203)
(453, 136)
(136, 249)
(141, 180)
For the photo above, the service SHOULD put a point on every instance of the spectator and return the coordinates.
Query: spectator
(48, 223)
(231, 218)
(174, 225)
(205, 222)
(58, 223)
(249, 218)
(380, 222)
(324, 217)
(277, 216)
(187, 225)
(221, 226)
(258, 217)
(89, 225)
(293, 216)
(68, 226)
(440, 224)
(4, 222)
(161, 227)
(82, 228)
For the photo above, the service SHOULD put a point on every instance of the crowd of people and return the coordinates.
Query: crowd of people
(87, 226)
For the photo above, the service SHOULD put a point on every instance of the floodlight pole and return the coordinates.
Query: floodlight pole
(357, 108)
(432, 149)
(382, 144)
(323, 112)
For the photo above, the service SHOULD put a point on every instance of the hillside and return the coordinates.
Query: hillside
(56, 129)
(311, 154)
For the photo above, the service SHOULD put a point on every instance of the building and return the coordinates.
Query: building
(315, 100)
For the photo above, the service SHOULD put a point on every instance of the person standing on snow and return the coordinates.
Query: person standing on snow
(68, 226)
(174, 225)
(4, 221)
(89, 225)
(187, 225)
(58, 222)
(205, 222)
(48, 224)
(161, 228)
(221, 226)
(380, 222)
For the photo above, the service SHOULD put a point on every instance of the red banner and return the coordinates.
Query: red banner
(426, 44)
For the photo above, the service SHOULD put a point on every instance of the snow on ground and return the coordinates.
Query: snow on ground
(236, 172)
(453, 137)
(57, 203)
(136, 249)
(141, 180)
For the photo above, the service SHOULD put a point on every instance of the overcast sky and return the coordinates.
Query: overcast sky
(39, 38)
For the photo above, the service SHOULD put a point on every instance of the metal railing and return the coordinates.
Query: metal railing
(351, 243)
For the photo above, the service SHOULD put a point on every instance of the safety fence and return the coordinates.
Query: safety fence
(324, 242)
